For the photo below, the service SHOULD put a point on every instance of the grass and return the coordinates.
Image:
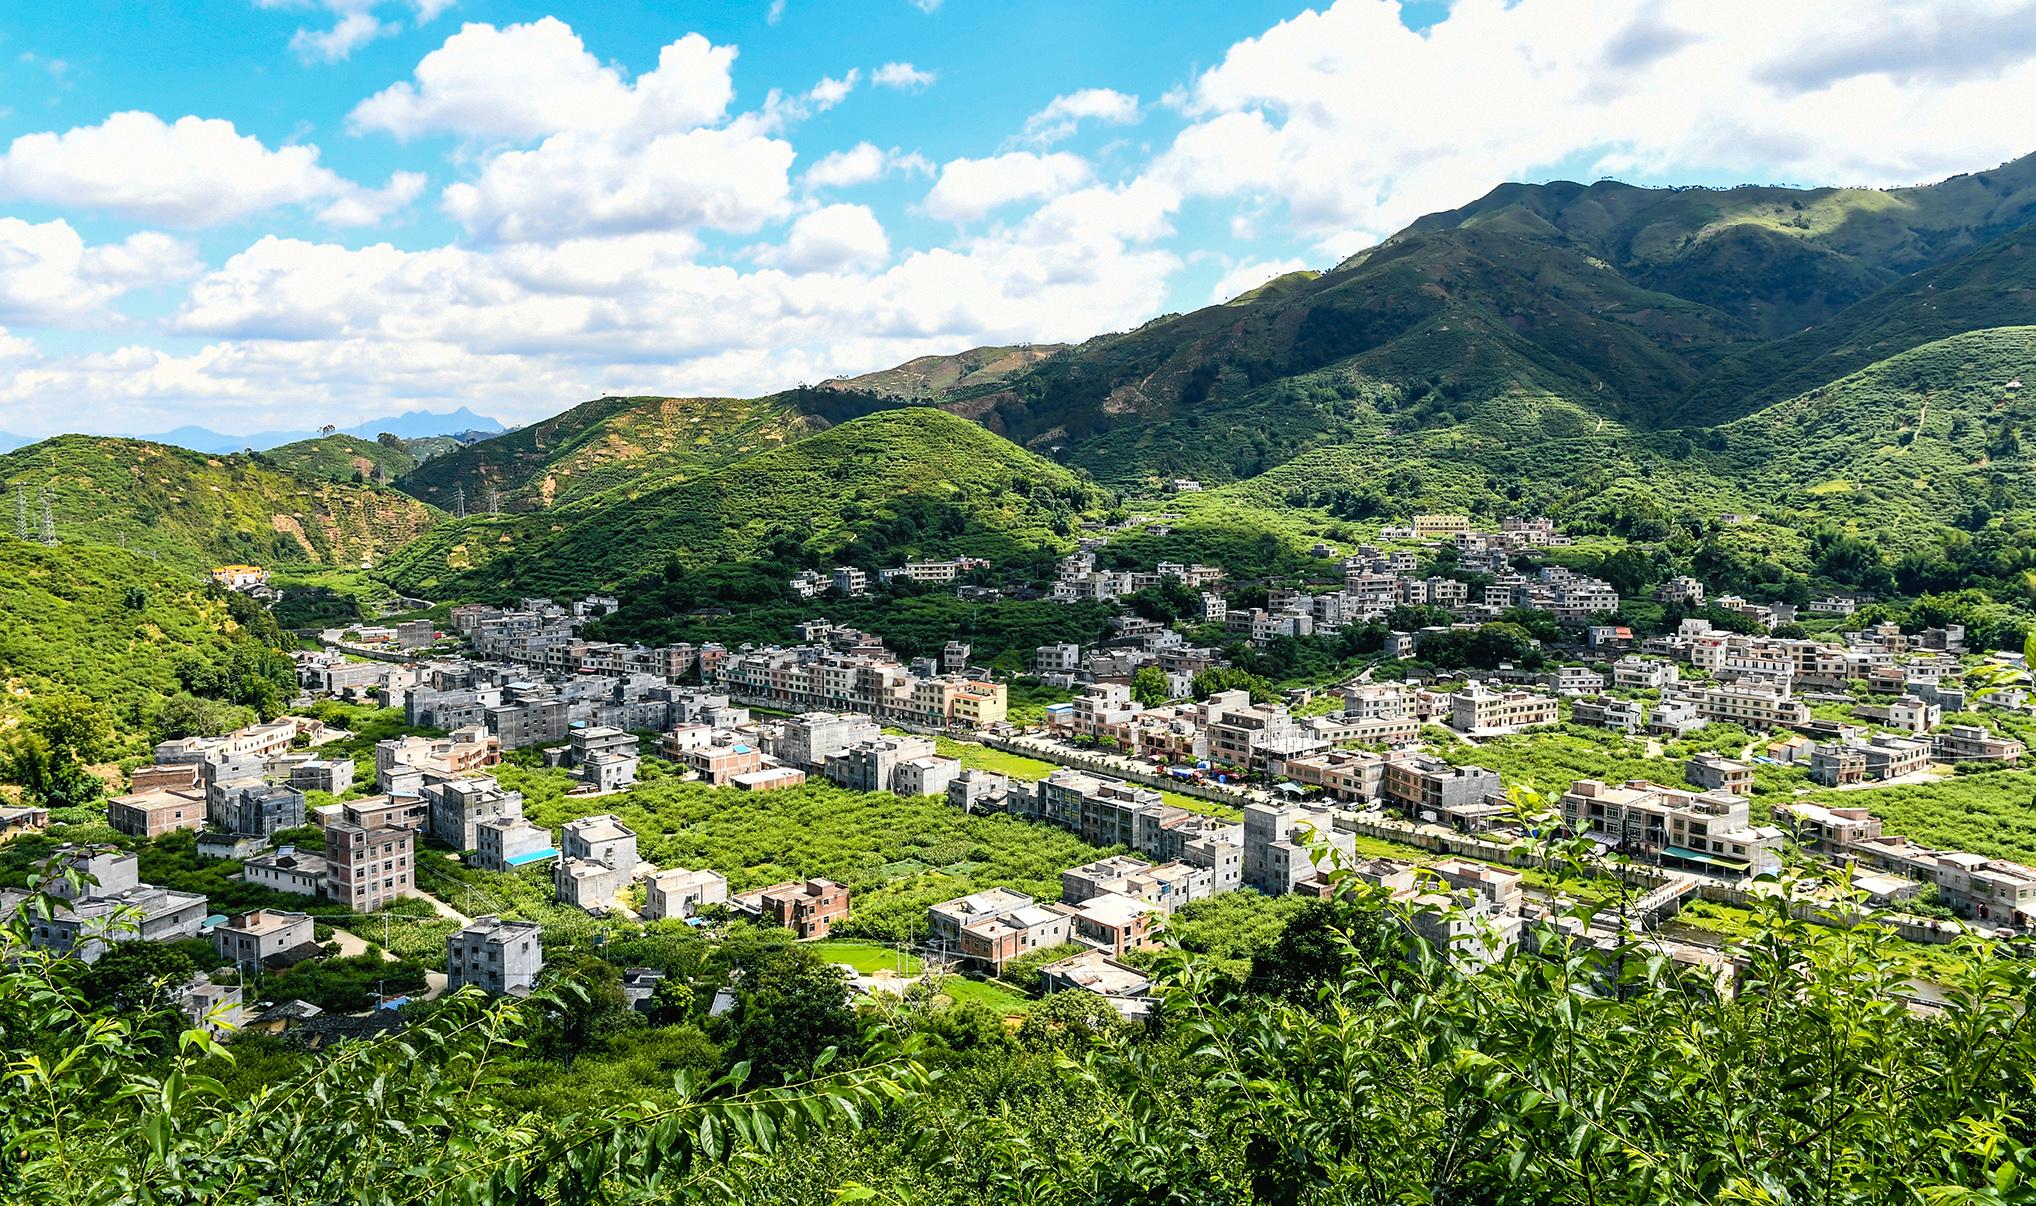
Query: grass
(1000, 997)
(865, 957)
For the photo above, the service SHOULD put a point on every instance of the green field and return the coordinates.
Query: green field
(866, 957)
(1000, 997)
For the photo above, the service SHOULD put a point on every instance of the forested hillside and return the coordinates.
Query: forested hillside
(132, 635)
(624, 442)
(914, 482)
(196, 511)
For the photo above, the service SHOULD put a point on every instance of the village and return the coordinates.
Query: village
(1201, 796)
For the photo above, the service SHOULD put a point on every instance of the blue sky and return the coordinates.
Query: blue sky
(255, 213)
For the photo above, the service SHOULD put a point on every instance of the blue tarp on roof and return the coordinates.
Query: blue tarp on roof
(520, 860)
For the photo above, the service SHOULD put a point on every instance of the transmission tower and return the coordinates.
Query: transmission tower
(494, 501)
(21, 511)
(459, 502)
(49, 520)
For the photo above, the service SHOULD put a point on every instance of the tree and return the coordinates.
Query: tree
(1149, 687)
(63, 733)
(790, 1008)
(584, 1005)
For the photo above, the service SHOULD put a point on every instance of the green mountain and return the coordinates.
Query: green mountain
(194, 510)
(343, 458)
(624, 442)
(897, 483)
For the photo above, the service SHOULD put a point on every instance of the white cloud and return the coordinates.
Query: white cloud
(192, 172)
(861, 164)
(833, 238)
(830, 92)
(927, 6)
(1355, 124)
(903, 76)
(1248, 276)
(351, 32)
(578, 184)
(528, 81)
(355, 24)
(370, 206)
(49, 276)
(1064, 114)
(970, 188)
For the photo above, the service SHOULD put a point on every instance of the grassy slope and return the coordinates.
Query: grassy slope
(929, 482)
(195, 510)
(934, 376)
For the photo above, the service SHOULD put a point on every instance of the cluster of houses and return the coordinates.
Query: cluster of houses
(840, 669)
(851, 582)
(1078, 579)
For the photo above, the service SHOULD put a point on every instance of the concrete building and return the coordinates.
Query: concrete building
(1709, 832)
(149, 814)
(1479, 710)
(287, 870)
(1277, 845)
(1608, 712)
(1127, 989)
(808, 909)
(457, 808)
(808, 739)
(720, 765)
(252, 940)
(496, 956)
(928, 776)
(1429, 789)
(1113, 923)
(333, 776)
(506, 843)
(367, 868)
(1715, 772)
(679, 893)
(597, 860)
(872, 765)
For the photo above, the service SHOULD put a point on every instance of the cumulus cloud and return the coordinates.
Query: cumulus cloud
(188, 173)
(49, 275)
(370, 206)
(528, 81)
(902, 76)
(970, 188)
(1355, 125)
(354, 25)
(1064, 114)
(832, 238)
(860, 164)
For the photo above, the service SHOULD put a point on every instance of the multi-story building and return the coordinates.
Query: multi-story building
(946, 921)
(148, 814)
(457, 807)
(1715, 772)
(1829, 831)
(1971, 743)
(808, 909)
(1478, 709)
(1608, 712)
(1278, 841)
(251, 940)
(597, 860)
(1113, 923)
(679, 893)
(719, 765)
(1710, 831)
(1347, 775)
(1633, 673)
(810, 738)
(1429, 789)
(872, 765)
(366, 868)
(1752, 705)
(110, 905)
(333, 776)
(928, 776)
(508, 842)
(495, 956)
